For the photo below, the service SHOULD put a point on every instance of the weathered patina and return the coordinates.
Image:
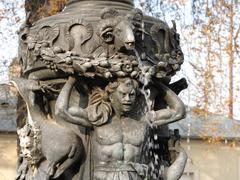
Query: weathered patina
(96, 83)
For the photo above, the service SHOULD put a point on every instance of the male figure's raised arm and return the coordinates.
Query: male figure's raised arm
(75, 115)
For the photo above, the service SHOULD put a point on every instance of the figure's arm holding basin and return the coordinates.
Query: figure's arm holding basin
(74, 114)
(175, 110)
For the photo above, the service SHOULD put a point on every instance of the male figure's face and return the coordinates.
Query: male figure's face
(123, 98)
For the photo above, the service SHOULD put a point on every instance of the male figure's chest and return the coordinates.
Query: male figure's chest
(126, 131)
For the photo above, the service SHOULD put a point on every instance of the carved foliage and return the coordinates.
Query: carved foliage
(81, 45)
(169, 53)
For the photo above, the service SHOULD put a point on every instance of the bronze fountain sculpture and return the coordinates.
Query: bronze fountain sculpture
(96, 83)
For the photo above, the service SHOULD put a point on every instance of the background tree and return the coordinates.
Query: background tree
(210, 41)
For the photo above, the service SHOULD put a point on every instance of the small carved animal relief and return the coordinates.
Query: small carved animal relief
(169, 54)
(26, 43)
(174, 37)
(80, 31)
(60, 153)
(112, 33)
(160, 34)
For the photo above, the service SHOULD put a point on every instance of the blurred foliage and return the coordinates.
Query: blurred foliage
(210, 40)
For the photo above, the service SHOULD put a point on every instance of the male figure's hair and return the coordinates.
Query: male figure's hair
(99, 108)
(112, 86)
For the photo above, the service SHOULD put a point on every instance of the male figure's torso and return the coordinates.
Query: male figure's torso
(117, 148)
